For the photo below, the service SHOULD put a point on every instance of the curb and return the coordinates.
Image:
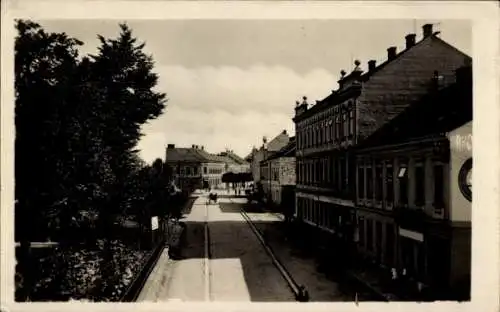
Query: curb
(135, 288)
(295, 288)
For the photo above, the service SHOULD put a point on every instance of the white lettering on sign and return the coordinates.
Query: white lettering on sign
(154, 223)
(462, 143)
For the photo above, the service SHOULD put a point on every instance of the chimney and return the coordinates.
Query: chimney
(170, 146)
(202, 148)
(284, 132)
(391, 53)
(193, 146)
(427, 30)
(410, 40)
(371, 65)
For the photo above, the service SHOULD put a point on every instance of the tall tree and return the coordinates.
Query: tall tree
(44, 65)
(125, 72)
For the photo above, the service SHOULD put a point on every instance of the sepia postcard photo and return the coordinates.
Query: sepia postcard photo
(311, 155)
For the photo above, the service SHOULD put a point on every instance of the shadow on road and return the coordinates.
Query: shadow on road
(230, 240)
(231, 196)
(236, 207)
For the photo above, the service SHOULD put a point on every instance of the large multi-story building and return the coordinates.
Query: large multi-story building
(413, 196)
(194, 168)
(267, 148)
(278, 176)
(327, 132)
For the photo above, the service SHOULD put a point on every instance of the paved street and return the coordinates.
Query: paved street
(239, 268)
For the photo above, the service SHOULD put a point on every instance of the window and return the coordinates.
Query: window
(419, 185)
(345, 131)
(195, 170)
(351, 121)
(421, 260)
(332, 170)
(389, 184)
(361, 181)
(380, 181)
(378, 240)
(342, 174)
(361, 222)
(322, 134)
(403, 185)
(369, 234)
(389, 232)
(438, 186)
(337, 127)
(369, 183)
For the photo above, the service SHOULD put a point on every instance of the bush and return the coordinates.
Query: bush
(82, 274)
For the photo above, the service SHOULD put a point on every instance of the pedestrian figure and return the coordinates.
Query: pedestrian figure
(303, 295)
(394, 279)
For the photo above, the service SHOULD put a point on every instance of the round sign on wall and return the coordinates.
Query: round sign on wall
(465, 179)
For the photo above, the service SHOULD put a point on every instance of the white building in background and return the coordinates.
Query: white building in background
(266, 150)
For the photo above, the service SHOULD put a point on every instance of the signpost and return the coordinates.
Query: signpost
(154, 223)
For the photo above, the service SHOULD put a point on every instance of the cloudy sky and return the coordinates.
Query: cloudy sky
(231, 82)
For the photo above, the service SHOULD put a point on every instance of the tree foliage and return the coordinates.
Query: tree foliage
(231, 177)
(78, 120)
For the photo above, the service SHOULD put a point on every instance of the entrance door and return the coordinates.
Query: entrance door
(438, 261)
(378, 240)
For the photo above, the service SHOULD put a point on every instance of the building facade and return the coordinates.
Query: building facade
(328, 132)
(278, 176)
(267, 148)
(212, 172)
(413, 195)
(193, 168)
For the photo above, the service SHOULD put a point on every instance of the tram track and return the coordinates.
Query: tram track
(294, 287)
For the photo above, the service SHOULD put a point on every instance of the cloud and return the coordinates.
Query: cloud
(228, 107)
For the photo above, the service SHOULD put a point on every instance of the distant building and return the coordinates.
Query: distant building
(234, 163)
(278, 176)
(193, 168)
(327, 132)
(267, 148)
(413, 196)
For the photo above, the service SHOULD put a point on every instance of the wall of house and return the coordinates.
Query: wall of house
(400, 82)
(460, 266)
(212, 172)
(287, 175)
(258, 156)
(460, 151)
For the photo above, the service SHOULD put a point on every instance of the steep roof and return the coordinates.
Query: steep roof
(185, 155)
(278, 142)
(232, 157)
(287, 151)
(338, 96)
(181, 154)
(435, 114)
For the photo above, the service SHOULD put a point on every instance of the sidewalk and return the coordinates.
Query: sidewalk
(301, 266)
(370, 279)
